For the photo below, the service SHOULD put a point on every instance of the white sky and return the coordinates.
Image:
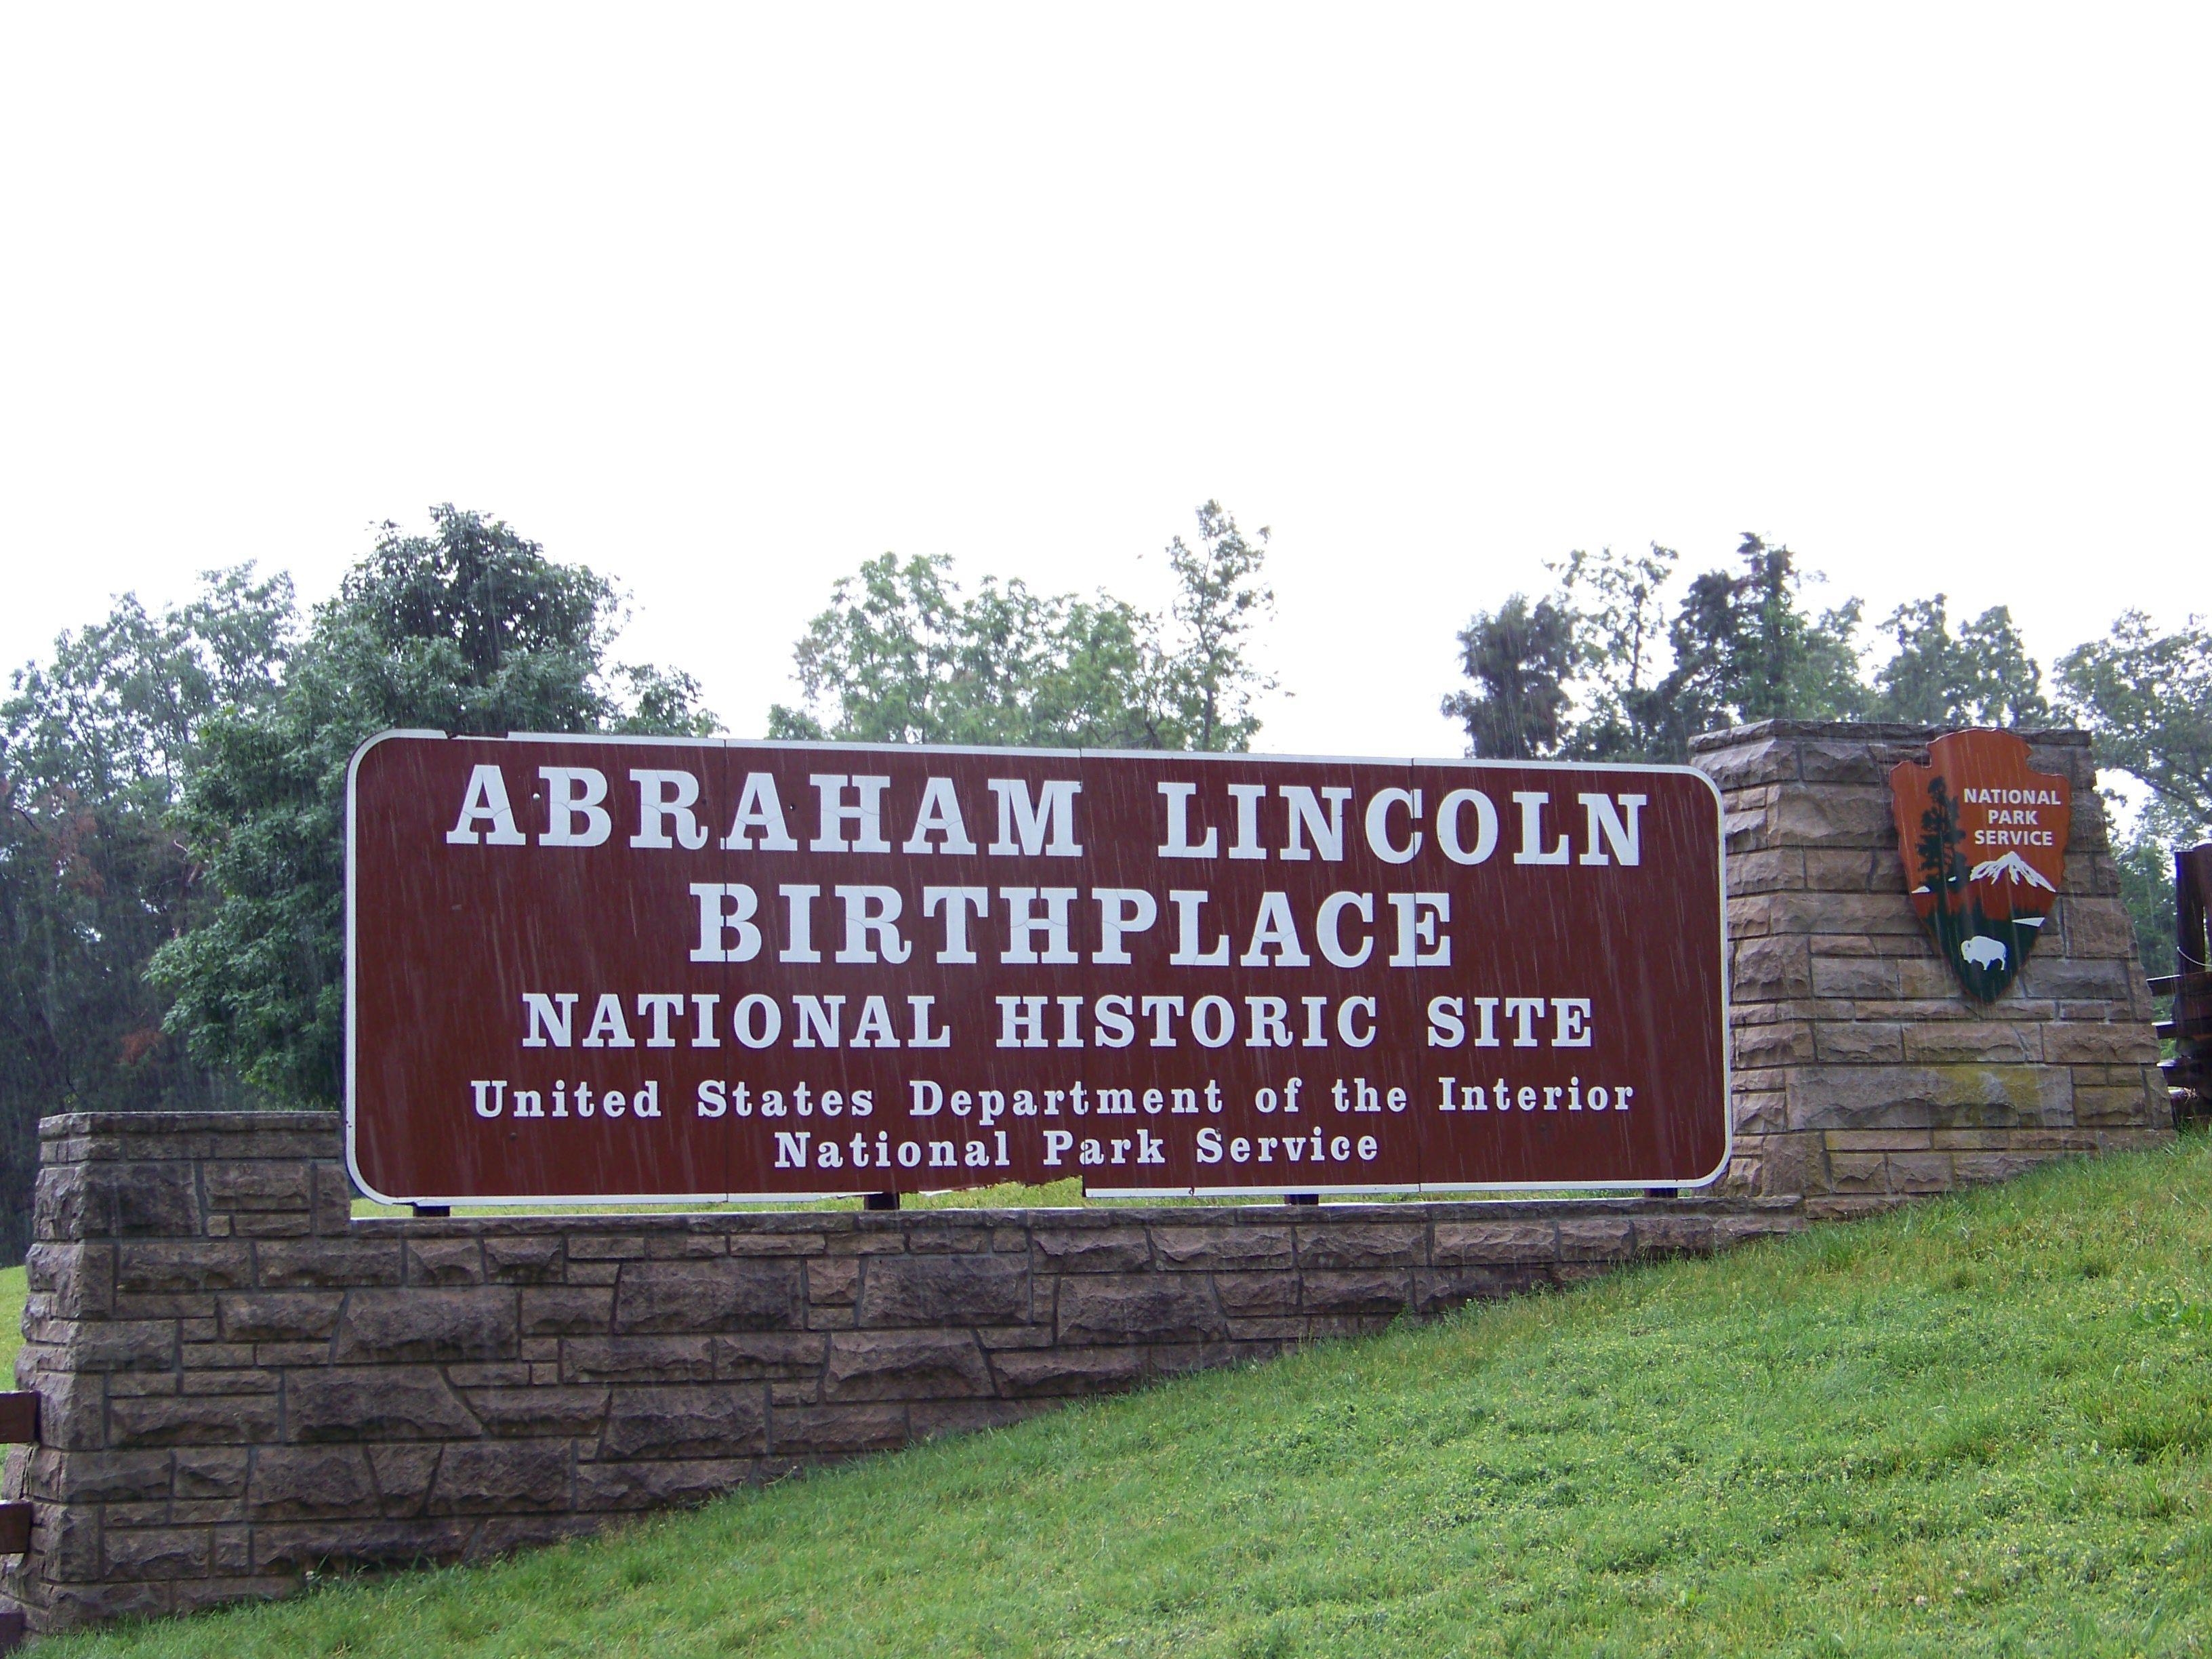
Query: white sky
(723, 301)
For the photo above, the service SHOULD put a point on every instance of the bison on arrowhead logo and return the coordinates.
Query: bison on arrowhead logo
(1984, 840)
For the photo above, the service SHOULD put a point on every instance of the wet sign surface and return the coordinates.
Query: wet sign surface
(1984, 840)
(618, 968)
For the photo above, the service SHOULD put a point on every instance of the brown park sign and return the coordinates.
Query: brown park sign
(628, 968)
(1983, 837)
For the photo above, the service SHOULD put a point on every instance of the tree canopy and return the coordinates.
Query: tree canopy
(467, 629)
(901, 655)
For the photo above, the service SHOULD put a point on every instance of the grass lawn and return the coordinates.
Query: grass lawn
(12, 1292)
(1982, 1426)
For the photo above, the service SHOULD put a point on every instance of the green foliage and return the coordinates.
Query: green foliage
(14, 1290)
(93, 745)
(2147, 699)
(901, 655)
(469, 629)
(1579, 674)
(1975, 1428)
(1981, 676)
(1519, 657)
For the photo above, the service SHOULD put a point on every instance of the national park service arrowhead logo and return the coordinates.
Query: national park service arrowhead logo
(1984, 840)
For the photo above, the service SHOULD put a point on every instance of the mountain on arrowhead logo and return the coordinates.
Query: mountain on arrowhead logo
(1983, 841)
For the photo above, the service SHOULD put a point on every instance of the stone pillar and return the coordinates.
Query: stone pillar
(1864, 1073)
(148, 1409)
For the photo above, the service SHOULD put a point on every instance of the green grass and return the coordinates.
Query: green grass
(12, 1293)
(1982, 1426)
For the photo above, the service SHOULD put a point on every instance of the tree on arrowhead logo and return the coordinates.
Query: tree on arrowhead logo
(1984, 840)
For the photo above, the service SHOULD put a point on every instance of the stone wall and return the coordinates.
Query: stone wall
(239, 1381)
(1863, 1074)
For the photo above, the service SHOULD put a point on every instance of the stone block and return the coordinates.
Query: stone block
(149, 1553)
(1243, 1295)
(2085, 1044)
(445, 1262)
(1674, 1235)
(948, 1289)
(369, 1403)
(1767, 969)
(1335, 1244)
(904, 1365)
(386, 1326)
(404, 1473)
(1091, 1249)
(1953, 1042)
(1774, 870)
(72, 1410)
(1598, 1239)
(1374, 1291)
(1844, 977)
(1138, 1308)
(715, 1420)
(1775, 1042)
(2098, 927)
(1858, 1043)
(53, 1476)
(744, 1355)
(1920, 1172)
(229, 1420)
(1222, 1247)
(492, 1477)
(116, 1200)
(328, 1263)
(2076, 977)
(1812, 818)
(206, 1471)
(293, 1548)
(1036, 1372)
(726, 1295)
(604, 1486)
(73, 1280)
(837, 1431)
(527, 1260)
(302, 1483)
(2142, 1102)
(834, 1281)
(1858, 1172)
(258, 1184)
(1842, 870)
(1438, 1290)
(572, 1409)
(1929, 1097)
(638, 1359)
(277, 1316)
(1487, 1243)
(1749, 765)
(568, 1310)
(1843, 760)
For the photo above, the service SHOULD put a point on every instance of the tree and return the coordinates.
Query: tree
(1740, 645)
(1218, 602)
(2146, 699)
(1519, 657)
(1618, 629)
(469, 629)
(1983, 676)
(93, 745)
(903, 655)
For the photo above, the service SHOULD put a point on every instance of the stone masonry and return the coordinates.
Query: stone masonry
(239, 1381)
(1863, 1074)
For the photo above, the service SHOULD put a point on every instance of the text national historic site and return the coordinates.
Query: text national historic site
(729, 970)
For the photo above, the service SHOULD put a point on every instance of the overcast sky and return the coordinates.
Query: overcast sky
(723, 301)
